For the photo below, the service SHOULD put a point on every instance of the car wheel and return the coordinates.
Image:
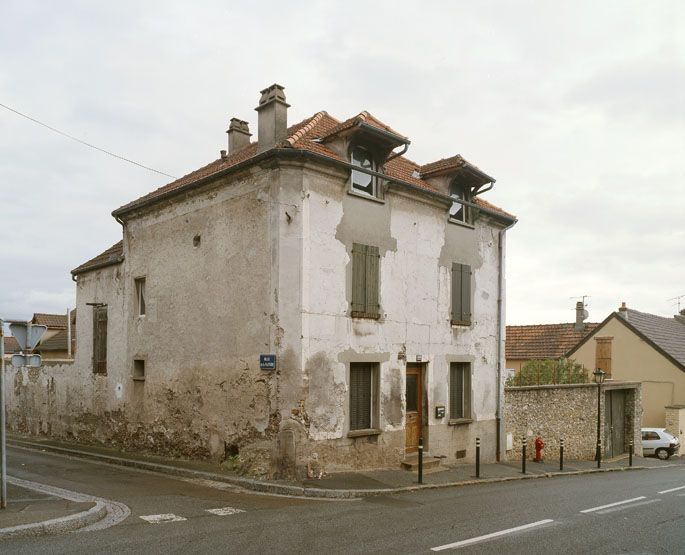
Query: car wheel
(662, 454)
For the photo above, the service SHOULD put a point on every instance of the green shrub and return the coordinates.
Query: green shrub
(551, 371)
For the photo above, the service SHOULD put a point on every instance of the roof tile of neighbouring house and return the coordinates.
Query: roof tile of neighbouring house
(57, 342)
(113, 255)
(544, 341)
(438, 166)
(54, 321)
(11, 344)
(305, 135)
(666, 333)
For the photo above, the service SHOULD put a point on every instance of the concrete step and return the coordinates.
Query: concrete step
(411, 462)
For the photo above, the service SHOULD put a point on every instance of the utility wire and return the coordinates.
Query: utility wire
(85, 143)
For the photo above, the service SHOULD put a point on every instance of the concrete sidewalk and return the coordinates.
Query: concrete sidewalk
(342, 485)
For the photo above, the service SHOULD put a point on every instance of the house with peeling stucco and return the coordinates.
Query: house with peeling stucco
(311, 297)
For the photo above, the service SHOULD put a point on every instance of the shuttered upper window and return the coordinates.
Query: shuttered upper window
(460, 390)
(365, 303)
(461, 294)
(100, 339)
(361, 392)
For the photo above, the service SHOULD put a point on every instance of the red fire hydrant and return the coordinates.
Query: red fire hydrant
(539, 444)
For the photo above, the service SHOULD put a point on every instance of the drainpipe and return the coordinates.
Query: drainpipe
(500, 326)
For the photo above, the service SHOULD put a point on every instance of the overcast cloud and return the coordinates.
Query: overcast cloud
(577, 108)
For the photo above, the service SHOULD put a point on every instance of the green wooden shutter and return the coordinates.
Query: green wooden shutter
(465, 293)
(100, 340)
(461, 293)
(360, 396)
(372, 257)
(358, 277)
(456, 391)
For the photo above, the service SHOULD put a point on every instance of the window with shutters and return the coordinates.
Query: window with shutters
(460, 391)
(365, 263)
(140, 296)
(100, 340)
(361, 395)
(461, 295)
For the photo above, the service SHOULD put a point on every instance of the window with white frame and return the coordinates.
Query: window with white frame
(140, 296)
(460, 212)
(363, 183)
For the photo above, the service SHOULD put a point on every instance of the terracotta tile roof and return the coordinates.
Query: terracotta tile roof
(57, 342)
(113, 255)
(306, 135)
(362, 117)
(543, 341)
(53, 321)
(442, 165)
(11, 344)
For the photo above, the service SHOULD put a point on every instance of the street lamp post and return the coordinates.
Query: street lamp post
(599, 374)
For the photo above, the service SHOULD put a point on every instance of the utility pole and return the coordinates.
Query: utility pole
(3, 459)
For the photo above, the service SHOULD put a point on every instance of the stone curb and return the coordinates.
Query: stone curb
(57, 525)
(301, 491)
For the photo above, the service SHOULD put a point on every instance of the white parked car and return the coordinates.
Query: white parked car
(657, 441)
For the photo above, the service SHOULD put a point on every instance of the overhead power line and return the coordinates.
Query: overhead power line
(68, 136)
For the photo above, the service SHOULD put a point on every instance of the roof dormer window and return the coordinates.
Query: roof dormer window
(460, 212)
(362, 182)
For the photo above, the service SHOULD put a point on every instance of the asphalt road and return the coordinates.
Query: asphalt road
(567, 515)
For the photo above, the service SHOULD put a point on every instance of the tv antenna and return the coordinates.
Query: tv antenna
(586, 297)
(677, 300)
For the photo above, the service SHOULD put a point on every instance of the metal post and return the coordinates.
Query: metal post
(421, 460)
(598, 453)
(3, 459)
(477, 457)
(630, 454)
(561, 454)
(523, 454)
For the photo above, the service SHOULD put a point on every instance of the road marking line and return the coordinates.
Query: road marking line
(166, 517)
(612, 504)
(622, 507)
(672, 489)
(225, 511)
(471, 541)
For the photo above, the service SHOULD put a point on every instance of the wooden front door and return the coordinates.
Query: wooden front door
(414, 408)
(614, 423)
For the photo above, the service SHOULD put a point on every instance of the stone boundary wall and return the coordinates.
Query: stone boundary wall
(564, 411)
(675, 420)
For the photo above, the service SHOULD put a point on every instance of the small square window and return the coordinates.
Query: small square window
(140, 296)
(139, 369)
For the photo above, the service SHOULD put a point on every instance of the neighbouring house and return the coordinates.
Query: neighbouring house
(55, 341)
(11, 344)
(312, 296)
(641, 347)
(545, 341)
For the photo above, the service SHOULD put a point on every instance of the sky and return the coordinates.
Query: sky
(576, 108)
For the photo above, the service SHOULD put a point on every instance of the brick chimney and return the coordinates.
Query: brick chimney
(623, 310)
(238, 135)
(581, 315)
(273, 117)
(681, 316)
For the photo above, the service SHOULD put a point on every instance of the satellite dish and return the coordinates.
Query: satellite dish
(585, 314)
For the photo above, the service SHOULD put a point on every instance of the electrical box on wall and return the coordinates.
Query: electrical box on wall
(440, 411)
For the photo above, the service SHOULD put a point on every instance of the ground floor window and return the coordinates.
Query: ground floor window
(361, 395)
(460, 390)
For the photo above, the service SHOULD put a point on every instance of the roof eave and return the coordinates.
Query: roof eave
(79, 270)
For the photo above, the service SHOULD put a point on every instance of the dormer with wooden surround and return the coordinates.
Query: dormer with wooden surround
(461, 180)
(368, 143)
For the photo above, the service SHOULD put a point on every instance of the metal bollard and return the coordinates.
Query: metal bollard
(561, 454)
(599, 454)
(630, 454)
(421, 460)
(523, 454)
(477, 457)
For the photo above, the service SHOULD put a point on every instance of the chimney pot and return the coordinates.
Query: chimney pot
(223, 153)
(623, 310)
(238, 135)
(273, 117)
